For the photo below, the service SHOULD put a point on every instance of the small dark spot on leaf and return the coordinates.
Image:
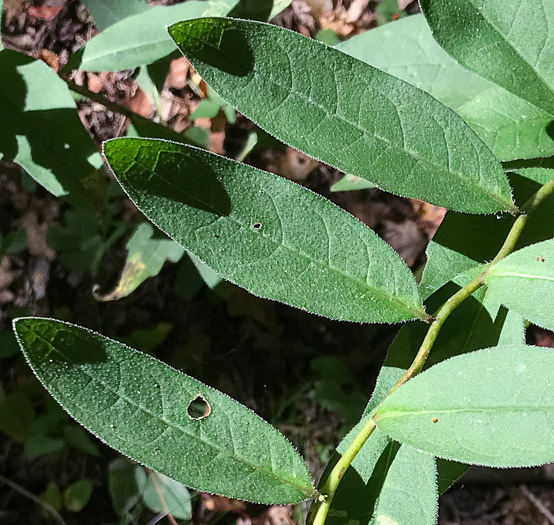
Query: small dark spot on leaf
(216, 235)
(540, 258)
(199, 408)
(257, 225)
(434, 419)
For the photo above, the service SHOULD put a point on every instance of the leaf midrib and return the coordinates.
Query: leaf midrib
(412, 310)
(172, 424)
(494, 273)
(386, 414)
(416, 156)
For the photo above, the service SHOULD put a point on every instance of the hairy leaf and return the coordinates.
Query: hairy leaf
(409, 492)
(266, 234)
(450, 254)
(492, 407)
(346, 113)
(511, 126)
(108, 12)
(146, 255)
(142, 407)
(490, 325)
(509, 43)
(142, 38)
(41, 130)
(524, 281)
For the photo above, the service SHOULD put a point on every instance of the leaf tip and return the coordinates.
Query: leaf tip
(19, 324)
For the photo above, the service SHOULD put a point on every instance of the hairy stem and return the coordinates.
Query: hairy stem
(321, 508)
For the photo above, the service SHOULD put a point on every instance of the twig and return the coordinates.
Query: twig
(538, 503)
(46, 506)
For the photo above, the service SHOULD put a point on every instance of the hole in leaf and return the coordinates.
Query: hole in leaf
(199, 408)
(257, 225)
(540, 258)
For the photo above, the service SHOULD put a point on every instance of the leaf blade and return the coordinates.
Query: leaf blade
(106, 13)
(138, 405)
(274, 84)
(146, 39)
(508, 45)
(252, 228)
(475, 419)
(524, 282)
(41, 130)
(511, 126)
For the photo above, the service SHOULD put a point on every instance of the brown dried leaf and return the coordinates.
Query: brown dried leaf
(216, 142)
(50, 59)
(140, 103)
(295, 166)
(44, 12)
(178, 73)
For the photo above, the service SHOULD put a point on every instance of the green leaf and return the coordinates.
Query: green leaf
(450, 254)
(162, 494)
(266, 234)
(524, 281)
(351, 183)
(409, 491)
(507, 43)
(476, 418)
(77, 495)
(139, 406)
(126, 482)
(387, 10)
(142, 38)
(52, 496)
(311, 97)
(147, 252)
(108, 12)
(511, 126)
(278, 7)
(490, 325)
(41, 130)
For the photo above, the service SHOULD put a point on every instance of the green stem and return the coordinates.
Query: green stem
(330, 486)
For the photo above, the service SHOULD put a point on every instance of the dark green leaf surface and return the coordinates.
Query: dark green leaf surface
(266, 234)
(108, 12)
(493, 407)
(511, 126)
(41, 130)
(509, 43)
(450, 254)
(142, 38)
(138, 405)
(524, 281)
(346, 113)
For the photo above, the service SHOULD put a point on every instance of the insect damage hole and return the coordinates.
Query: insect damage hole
(541, 258)
(198, 408)
(257, 225)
